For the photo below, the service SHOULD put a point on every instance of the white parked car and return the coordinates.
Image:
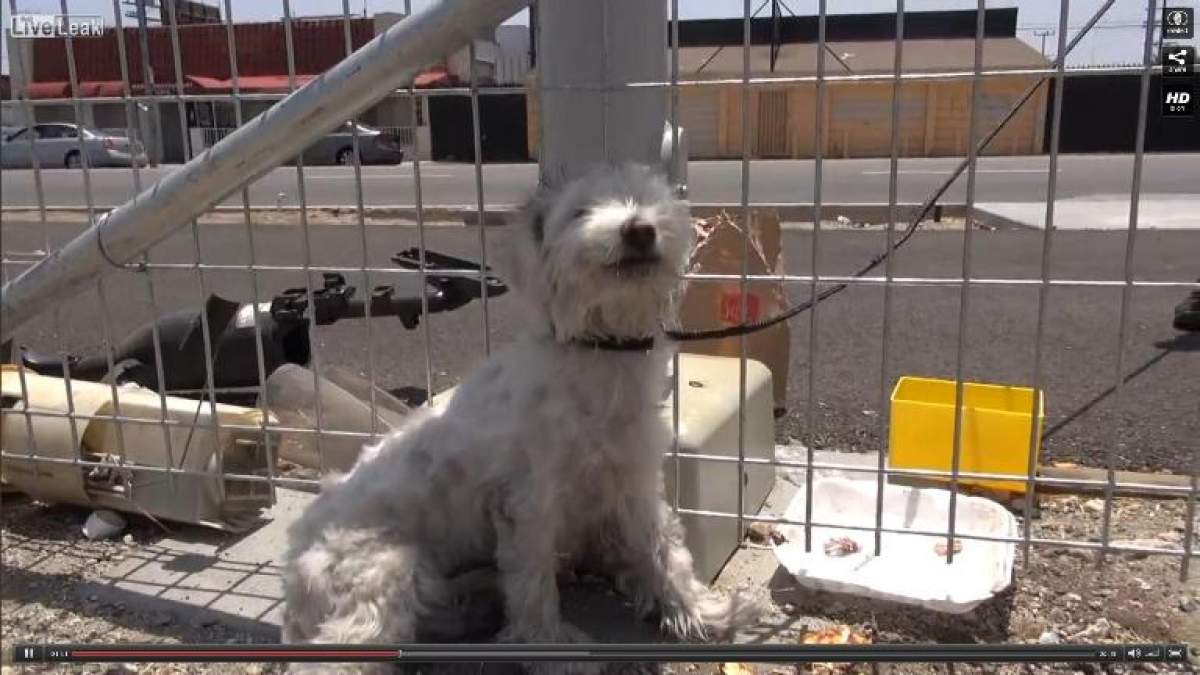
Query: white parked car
(57, 146)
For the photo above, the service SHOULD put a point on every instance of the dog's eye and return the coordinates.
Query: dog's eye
(580, 213)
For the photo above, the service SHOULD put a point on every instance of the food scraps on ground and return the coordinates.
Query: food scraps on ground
(941, 549)
(841, 546)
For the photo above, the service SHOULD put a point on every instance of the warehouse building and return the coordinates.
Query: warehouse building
(856, 114)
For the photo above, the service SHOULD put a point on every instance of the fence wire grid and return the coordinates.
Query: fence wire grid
(816, 286)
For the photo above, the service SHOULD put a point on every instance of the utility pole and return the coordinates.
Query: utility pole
(1044, 34)
(148, 86)
(589, 50)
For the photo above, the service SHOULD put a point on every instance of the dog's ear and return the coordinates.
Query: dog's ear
(518, 255)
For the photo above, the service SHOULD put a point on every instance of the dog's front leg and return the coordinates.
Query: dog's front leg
(526, 556)
(655, 569)
(528, 565)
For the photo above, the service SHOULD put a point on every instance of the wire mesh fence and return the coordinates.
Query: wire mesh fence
(189, 272)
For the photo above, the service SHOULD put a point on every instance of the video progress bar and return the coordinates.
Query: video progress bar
(677, 653)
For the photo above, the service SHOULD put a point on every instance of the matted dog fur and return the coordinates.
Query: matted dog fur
(549, 455)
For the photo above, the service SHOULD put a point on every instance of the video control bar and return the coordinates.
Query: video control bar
(685, 653)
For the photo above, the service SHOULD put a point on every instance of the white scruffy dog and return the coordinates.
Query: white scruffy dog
(550, 454)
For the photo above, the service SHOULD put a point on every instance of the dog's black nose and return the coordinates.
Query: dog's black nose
(638, 236)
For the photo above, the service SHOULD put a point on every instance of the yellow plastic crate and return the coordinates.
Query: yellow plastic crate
(995, 429)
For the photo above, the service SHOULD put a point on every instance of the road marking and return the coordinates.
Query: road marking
(947, 172)
(377, 176)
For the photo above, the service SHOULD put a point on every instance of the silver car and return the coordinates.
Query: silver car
(57, 146)
(337, 147)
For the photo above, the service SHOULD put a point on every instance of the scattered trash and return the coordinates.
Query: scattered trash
(1160, 544)
(127, 470)
(908, 571)
(1094, 505)
(345, 403)
(1050, 637)
(836, 635)
(737, 669)
(843, 220)
(103, 524)
(1097, 631)
(841, 546)
(764, 533)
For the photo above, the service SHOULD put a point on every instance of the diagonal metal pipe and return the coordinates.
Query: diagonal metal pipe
(383, 65)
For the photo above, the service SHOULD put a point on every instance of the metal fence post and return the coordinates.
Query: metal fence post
(590, 49)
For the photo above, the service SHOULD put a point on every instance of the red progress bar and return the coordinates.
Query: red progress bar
(235, 653)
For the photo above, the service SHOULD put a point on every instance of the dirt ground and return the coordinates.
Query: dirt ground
(1060, 595)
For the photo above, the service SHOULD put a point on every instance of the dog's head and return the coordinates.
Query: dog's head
(601, 255)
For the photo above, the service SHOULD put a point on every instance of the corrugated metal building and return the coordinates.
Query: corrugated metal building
(856, 114)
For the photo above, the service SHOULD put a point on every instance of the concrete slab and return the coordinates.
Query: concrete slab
(1104, 212)
(202, 576)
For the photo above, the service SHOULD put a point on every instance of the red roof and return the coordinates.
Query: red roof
(204, 53)
(103, 88)
(437, 76)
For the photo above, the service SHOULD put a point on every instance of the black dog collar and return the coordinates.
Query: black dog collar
(615, 344)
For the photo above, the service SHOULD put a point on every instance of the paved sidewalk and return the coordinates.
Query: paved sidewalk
(1104, 212)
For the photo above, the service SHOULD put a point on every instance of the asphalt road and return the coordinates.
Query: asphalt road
(1155, 424)
(1000, 179)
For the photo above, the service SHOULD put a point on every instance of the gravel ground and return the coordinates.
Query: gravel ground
(1060, 595)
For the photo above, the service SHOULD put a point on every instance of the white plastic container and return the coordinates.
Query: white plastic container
(910, 569)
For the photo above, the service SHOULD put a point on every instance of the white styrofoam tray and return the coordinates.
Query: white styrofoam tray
(909, 570)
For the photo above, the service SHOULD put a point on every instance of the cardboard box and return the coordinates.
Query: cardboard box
(718, 304)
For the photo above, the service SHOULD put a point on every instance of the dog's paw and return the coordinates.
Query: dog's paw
(681, 621)
(710, 615)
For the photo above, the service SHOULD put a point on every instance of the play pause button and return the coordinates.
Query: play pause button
(27, 653)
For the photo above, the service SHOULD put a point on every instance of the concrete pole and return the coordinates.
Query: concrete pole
(593, 44)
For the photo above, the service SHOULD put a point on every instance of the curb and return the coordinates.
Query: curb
(468, 215)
